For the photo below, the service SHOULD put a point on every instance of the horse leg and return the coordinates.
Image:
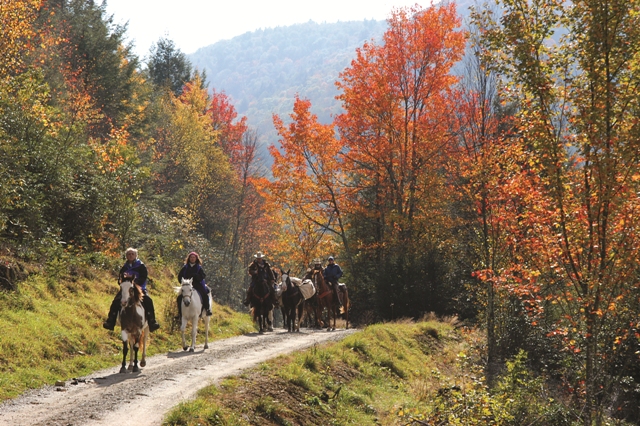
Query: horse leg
(260, 320)
(125, 350)
(183, 328)
(133, 349)
(335, 314)
(194, 333)
(288, 321)
(270, 320)
(300, 315)
(144, 340)
(206, 331)
(135, 358)
(283, 311)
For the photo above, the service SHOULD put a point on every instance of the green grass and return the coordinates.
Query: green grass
(400, 373)
(366, 379)
(51, 329)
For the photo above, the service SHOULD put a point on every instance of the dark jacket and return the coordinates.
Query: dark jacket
(260, 273)
(196, 272)
(332, 273)
(137, 270)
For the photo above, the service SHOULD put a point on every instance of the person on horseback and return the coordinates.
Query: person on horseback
(193, 269)
(317, 266)
(259, 270)
(135, 270)
(332, 273)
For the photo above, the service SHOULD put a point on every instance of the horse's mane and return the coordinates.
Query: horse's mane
(138, 295)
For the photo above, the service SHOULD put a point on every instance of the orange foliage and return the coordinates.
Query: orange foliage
(17, 35)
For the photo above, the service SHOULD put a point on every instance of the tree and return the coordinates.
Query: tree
(571, 187)
(309, 183)
(396, 130)
(169, 67)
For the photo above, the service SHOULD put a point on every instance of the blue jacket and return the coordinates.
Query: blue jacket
(138, 271)
(196, 272)
(333, 272)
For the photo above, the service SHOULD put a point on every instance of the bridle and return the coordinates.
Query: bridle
(186, 299)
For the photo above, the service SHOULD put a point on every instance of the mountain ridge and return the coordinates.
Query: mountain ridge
(263, 70)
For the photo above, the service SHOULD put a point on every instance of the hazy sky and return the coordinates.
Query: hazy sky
(192, 24)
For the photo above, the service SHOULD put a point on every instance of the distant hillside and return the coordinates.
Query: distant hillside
(264, 69)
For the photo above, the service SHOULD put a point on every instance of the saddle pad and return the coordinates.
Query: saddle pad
(307, 289)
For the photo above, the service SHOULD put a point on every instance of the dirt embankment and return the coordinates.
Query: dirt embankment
(108, 397)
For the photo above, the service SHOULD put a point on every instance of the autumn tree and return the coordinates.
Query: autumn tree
(396, 129)
(570, 190)
(309, 183)
(48, 111)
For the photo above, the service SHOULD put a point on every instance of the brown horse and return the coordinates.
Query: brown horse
(325, 299)
(135, 330)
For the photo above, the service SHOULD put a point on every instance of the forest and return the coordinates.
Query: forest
(487, 171)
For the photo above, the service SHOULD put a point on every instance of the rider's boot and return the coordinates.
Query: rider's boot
(206, 306)
(110, 323)
(151, 313)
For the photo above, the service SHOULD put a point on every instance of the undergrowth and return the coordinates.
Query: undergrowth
(403, 373)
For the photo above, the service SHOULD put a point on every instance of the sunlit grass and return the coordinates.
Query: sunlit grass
(364, 379)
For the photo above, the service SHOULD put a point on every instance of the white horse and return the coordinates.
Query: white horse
(133, 323)
(192, 311)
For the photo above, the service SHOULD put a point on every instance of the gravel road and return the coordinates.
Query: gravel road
(108, 397)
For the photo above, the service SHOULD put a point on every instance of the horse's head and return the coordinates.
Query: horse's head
(186, 291)
(286, 280)
(129, 293)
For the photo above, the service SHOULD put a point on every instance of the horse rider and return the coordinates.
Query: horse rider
(260, 271)
(134, 269)
(193, 269)
(317, 266)
(332, 273)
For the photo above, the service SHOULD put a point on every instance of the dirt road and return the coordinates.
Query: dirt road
(108, 397)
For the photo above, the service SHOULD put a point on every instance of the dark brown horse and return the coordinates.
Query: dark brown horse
(325, 299)
(262, 305)
(292, 303)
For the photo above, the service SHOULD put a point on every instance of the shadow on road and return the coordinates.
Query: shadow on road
(114, 379)
(182, 354)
